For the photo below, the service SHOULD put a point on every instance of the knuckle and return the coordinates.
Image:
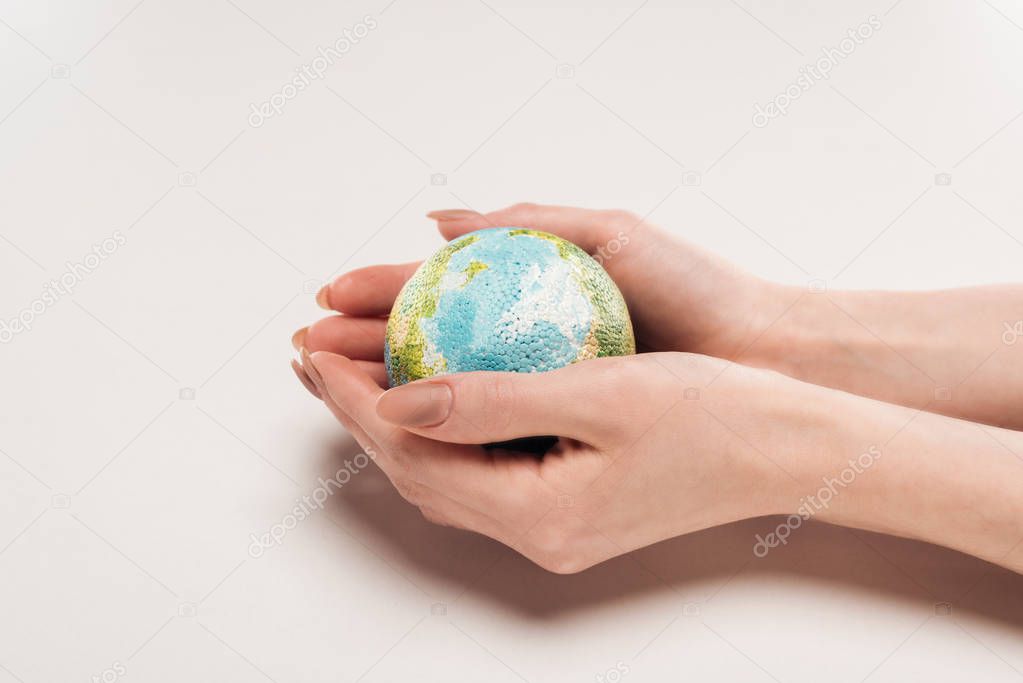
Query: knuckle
(611, 376)
(524, 207)
(318, 334)
(400, 455)
(433, 516)
(524, 213)
(554, 545)
(619, 218)
(616, 375)
(565, 564)
(497, 400)
(409, 490)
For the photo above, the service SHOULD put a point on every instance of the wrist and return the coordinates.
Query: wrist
(915, 474)
(834, 339)
(767, 323)
(783, 436)
(945, 481)
(809, 448)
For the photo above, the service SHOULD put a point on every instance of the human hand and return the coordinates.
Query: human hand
(790, 435)
(680, 297)
(640, 459)
(878, 344)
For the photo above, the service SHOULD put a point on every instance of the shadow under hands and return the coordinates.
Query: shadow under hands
(694, 568)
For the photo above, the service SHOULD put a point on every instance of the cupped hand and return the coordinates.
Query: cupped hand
(640, 459)
(637, 461)
(659, 444)
(680, 297)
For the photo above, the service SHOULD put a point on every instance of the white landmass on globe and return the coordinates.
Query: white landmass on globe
(546, 298)
(452, 280)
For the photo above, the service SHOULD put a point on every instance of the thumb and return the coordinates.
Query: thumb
(579, 401)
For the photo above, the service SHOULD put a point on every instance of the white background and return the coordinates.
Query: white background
(127, 504)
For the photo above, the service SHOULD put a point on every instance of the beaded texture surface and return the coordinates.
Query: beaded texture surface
(507, 299)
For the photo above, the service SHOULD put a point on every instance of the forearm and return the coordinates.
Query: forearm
(871, 465)
(955, 352)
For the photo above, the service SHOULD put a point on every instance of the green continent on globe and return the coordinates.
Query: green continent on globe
(507, 299)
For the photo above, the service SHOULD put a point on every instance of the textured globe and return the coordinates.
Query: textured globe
(505, 299)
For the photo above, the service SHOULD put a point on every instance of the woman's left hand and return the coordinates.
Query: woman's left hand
(641, 457)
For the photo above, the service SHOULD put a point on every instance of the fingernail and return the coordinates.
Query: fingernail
(304, 379)
(310, 369)
(323, 297)
(298, 339)
(452, 215)
(420, 404)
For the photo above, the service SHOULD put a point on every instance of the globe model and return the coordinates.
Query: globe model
(506, 299)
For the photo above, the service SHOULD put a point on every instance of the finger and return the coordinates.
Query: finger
(367, 291)
(580, 401)
(376, 371)
(304, 378)
(308, 371)
(446, 511)
(588, 228)
(345, 388)
(434, 505)
(357, 432)
(464, 473)
(355, 338)
(354, 391)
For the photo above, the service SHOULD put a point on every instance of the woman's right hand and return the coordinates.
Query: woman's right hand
(954, 352)
(680, 297)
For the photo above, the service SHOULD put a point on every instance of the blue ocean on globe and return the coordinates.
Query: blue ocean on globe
(506, 299)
